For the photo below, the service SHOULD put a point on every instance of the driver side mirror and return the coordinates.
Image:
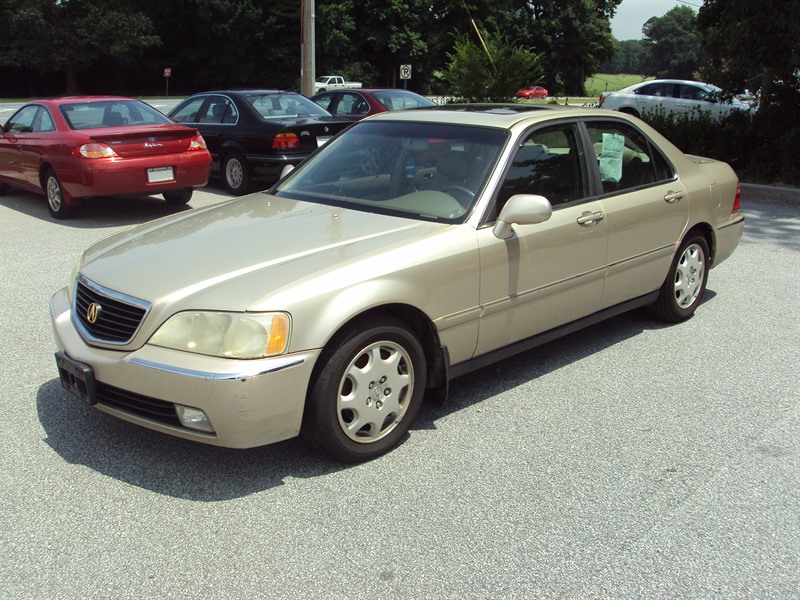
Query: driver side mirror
(521, 209)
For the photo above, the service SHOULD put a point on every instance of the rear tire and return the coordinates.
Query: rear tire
(56, 197)
(178, 197)
(630, 111)
(235, 174)
(368, 391)
(685, 284)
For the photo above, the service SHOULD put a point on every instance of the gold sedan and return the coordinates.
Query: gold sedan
(412, 248)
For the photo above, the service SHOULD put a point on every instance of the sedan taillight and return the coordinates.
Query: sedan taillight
(94, 150)
(737, 201)
(286, 141)
(197, 143)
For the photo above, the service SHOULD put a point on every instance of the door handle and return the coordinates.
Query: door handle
(673, 197)
(588, 219)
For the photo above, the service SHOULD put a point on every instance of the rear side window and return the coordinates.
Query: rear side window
(665, 90)
(625, 157)
(218, 109)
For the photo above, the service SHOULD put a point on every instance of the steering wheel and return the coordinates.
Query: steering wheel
(462, 193)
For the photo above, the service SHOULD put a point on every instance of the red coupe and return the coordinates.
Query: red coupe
(534, 91)
(77, 147)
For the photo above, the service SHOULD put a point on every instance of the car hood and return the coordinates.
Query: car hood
(234, 255)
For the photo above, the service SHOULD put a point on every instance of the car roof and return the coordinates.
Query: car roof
(245, 92)
(687, 81)
(502, 116)
(73, 99)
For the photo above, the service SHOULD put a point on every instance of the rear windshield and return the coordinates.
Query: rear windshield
(282, 106)
(111, 113)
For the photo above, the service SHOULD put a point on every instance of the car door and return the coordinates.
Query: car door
(35, 145)
(695, 99)
(646, 208)
(14, 132)
(656, 97)
(550, 273)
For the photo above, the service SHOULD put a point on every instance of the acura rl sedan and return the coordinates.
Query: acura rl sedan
(411, 249)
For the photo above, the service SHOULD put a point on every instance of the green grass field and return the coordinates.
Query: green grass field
(609, 83)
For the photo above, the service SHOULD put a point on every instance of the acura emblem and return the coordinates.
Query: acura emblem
(152, 139)
(92, 312)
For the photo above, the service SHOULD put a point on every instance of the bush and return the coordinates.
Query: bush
(762, 146)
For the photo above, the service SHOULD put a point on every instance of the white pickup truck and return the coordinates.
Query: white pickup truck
(333, 82)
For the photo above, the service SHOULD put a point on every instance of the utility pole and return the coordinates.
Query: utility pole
(307, 48)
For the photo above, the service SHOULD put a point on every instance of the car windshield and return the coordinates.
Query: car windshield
(419, 170)
(110, 113)
(283, 106)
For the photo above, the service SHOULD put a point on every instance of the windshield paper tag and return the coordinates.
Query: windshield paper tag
(611, 157)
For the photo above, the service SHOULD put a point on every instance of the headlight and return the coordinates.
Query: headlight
(229, 335)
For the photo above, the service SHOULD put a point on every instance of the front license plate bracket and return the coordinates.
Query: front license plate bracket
(77, 378)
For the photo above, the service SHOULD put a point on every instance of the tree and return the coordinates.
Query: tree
(628, 58)
(754, 48)
(574, 36)
(493, 73)
(673, 45)
(71, 36)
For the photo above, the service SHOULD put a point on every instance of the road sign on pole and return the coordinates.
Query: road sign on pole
(167, 75)
(405, 71)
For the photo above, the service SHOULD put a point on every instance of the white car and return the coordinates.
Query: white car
(670, 96)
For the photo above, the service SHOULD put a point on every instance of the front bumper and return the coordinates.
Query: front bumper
(248, 403)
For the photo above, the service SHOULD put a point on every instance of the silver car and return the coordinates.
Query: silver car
(412, 248)
(670, 96)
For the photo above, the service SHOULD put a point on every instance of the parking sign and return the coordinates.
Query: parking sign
(405, 71)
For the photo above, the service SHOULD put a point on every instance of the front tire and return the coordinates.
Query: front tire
(367, 392)
(235, 174)
(56, 197)
(685, 284)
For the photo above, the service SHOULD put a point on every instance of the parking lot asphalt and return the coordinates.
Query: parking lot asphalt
(628, 460)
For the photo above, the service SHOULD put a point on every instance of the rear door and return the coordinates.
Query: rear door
(656, 97)
(646, 207)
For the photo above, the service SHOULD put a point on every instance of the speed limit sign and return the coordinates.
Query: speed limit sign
(405, 71)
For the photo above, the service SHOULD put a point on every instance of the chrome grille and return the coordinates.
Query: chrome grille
(118, 316)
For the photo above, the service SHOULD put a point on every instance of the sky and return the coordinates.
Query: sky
(631, 15)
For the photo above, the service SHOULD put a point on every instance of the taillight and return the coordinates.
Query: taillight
(197, 143)
(94, 150)
(286, 141)
(737, 201)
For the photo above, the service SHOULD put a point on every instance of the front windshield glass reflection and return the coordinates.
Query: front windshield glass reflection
(418, 170)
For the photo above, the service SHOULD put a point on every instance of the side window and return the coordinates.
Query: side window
(663, 90)
(216, 110)
(325, 101)
(188, 112)
(550, 163)
(22, 122)
(625, 158)
(691, 92)
(44, 122)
